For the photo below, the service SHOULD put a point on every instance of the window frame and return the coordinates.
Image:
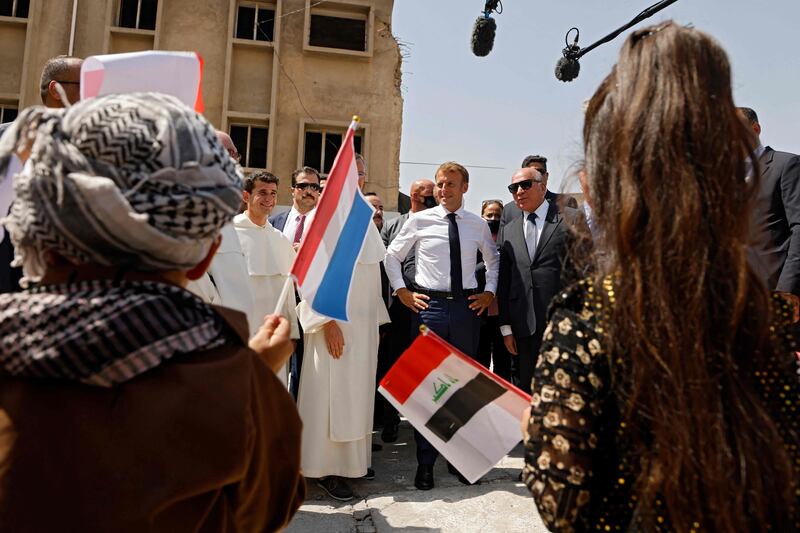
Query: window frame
(329, 126)
(257, 5)
(233, 122)
(8, 105)
(138, 16)
(348, 9)
(15, 7)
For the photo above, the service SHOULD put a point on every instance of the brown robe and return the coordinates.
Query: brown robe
(207, 442)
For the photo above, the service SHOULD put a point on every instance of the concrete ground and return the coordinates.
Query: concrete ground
(391, 503)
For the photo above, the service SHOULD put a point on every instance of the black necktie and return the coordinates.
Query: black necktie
(456, 283)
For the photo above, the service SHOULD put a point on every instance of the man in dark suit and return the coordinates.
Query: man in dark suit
(777, 215)
(533, 248)
(305, 194)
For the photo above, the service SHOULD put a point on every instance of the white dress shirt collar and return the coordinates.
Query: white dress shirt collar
(541, 211)
(442, 212)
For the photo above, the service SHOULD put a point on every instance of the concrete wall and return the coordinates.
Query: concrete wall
(285, 85)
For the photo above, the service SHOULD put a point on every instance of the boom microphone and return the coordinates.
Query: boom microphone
(568, 68)
(485, 28)
(483, 36)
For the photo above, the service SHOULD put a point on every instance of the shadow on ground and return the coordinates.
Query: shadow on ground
(391, 502)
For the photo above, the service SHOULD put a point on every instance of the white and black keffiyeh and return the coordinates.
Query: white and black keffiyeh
(135, 181)
(101, 332)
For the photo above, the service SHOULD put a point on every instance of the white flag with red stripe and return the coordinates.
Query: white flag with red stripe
(470, 415)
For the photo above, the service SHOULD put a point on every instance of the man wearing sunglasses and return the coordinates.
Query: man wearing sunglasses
(305, 194)
(533, 247)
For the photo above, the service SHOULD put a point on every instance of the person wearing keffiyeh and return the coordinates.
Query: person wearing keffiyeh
(126, 403)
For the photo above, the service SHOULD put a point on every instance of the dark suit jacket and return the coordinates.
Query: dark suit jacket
(777, 215)
(279, 221)
(525, 288)
(392, 229)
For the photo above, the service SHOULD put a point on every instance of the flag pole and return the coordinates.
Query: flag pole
(288, 284)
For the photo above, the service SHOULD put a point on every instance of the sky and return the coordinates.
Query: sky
(495, 110)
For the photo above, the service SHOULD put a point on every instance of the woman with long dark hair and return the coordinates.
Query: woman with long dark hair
(666, 395)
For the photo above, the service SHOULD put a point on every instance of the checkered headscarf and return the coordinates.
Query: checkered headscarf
(136, 181)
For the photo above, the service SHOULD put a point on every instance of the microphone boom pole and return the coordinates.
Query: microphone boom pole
(568, 67)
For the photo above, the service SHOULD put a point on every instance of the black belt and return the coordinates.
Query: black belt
(445, 294)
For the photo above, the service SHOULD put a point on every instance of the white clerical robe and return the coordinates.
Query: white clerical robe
(226, 282)
(269, 256)
(336, 398)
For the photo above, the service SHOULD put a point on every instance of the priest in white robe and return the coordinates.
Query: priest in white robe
(226, 283)
(268, 254)
(337, 390)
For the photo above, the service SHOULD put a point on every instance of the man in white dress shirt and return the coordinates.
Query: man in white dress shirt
(268, 253)
(445, 241)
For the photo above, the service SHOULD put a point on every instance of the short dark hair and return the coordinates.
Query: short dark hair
(263, 177)
(749, 114)
(55, 68)
(304, 170)
(529, 160)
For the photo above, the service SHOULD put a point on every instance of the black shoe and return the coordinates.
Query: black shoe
(520, 476)
(461, 478)
(376, 447)
(424, 477)
(370, 475)
(336, 487)
(389, 433)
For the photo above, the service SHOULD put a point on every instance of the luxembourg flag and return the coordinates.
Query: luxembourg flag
(327, 257)
(470, 415)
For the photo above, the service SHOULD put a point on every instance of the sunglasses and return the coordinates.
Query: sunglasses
(304, 186)
(524, 185)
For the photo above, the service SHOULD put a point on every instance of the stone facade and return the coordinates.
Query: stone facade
(283, 76)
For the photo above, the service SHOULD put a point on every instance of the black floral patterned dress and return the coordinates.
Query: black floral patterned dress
(576, 463)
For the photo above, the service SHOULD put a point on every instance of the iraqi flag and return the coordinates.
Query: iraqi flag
(326, 261)
(470, 415)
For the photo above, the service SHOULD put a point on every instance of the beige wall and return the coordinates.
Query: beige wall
(244, 82)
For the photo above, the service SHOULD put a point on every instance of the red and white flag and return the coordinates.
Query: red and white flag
(470, 415)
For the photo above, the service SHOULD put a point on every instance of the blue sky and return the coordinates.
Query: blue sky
(493, 111)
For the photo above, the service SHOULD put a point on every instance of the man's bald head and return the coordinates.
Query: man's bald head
(227, 142)
(64, 71)
(420, 190)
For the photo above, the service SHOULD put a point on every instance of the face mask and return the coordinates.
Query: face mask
(429, 201)
(494, 226)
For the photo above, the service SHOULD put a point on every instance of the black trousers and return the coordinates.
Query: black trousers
(456, 323)
(492, 348)
(528, 355)
(397, 339)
